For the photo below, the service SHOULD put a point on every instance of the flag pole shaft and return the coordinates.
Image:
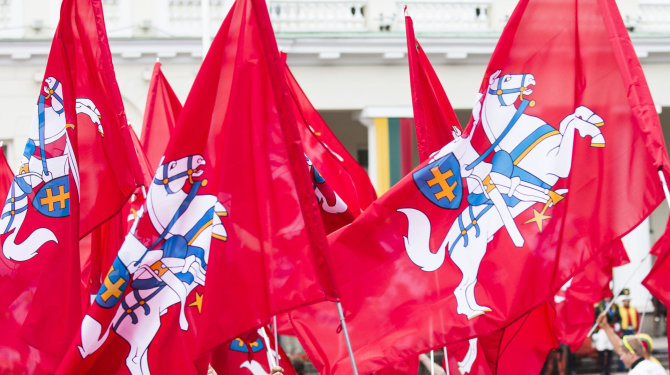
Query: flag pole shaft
(346, 338)
(619, 292)
(665, 186)
(432, 363)
(446, 361)
(644, 312)
(274, 328)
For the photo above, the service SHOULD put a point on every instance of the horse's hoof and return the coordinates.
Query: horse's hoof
(598, 141)
(476, 314)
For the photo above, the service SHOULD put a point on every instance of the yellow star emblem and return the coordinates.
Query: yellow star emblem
(538, 218)
(197, 302)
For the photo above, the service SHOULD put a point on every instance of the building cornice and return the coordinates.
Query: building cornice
(317, 50)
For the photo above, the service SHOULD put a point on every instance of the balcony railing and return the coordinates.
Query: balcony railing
(318, 16)
(654, 16)
(448, 16)
(182, 18)
(11, 19)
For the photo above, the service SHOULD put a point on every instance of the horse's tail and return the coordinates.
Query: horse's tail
(417, 241)
(91, 331)
(27, 249)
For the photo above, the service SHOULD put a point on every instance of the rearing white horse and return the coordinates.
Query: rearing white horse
(530, 156)
(162, 275)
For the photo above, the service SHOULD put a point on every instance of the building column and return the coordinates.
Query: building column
(391, 144)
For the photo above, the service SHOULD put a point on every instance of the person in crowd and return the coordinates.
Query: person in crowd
(630, 317)
(648, 346)
(630, 350)
(600, 341)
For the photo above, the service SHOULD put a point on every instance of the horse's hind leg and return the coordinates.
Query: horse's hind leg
(470, 297)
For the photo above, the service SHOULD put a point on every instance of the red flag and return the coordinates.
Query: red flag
(526, 343)
(342, 186)
(657, 280)
(76, 171)
(230, 202)
(434, 117)
(160, 116)
(524, 197)
(253, 352)
(469, 357)
(408, 367)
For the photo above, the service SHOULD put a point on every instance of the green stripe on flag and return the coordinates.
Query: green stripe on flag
(394, 151)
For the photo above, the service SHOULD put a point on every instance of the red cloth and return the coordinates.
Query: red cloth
(160, 117)
(253, 352)
(231, 203)
(657, 281)
(434, 117)
(346, 182)
(76, 171)
(526, 343)
(396, 309)
(408, 367)
(469, 357)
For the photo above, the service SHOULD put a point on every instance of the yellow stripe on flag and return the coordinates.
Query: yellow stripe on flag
(382, 136)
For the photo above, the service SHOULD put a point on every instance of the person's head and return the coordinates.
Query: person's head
(647, 344)
(625, 297)
(632, 350)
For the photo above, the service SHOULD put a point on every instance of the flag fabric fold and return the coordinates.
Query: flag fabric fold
(230, 204)
(524, 196)
(574, 303)
(160, 116)
(77, 169)
(342, 186)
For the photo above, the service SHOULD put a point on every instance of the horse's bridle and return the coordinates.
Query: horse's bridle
(166, 180)
(500, 91)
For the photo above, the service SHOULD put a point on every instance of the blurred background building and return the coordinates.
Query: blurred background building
(348, 55)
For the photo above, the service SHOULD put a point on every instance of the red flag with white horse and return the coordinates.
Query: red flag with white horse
(563, 128)
(229, 204)
(77, 169)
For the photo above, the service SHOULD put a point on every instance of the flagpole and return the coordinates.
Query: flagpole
(346, 337)
(665, 186)
(274, 328)
(446, 361)
(432, 363)
(619, 292)
(639, 326)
